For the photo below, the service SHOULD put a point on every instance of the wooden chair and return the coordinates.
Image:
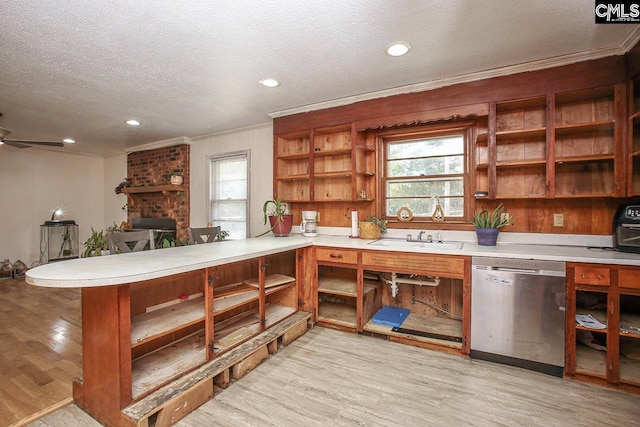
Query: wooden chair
(203, 234)
(122, 241)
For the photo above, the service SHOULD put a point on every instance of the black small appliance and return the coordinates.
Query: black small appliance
(626, 229)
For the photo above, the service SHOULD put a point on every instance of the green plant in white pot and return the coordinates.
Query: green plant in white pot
(488, 224)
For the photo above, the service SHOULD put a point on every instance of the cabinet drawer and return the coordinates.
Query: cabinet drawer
(337, 255)
(598, 276)
(629, 278)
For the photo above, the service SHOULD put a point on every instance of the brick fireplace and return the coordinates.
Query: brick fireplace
(153, 169)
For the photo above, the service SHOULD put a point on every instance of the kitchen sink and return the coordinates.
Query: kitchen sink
(401, 243)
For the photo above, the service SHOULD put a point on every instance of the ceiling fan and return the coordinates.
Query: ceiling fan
(21, 143)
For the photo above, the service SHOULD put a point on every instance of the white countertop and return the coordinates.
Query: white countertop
(137, 266)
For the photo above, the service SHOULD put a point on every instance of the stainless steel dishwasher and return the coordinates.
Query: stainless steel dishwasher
(518, 313)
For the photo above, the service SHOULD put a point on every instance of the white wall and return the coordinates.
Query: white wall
(36, 181)
(115, 171)
(258, 139)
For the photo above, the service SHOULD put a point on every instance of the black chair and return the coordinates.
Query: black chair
(130, 241)
(203, 235)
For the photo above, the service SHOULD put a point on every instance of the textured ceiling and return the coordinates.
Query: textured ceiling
(80, 68)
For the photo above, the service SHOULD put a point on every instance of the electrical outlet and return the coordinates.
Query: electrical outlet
(317, 216)
(558, 220)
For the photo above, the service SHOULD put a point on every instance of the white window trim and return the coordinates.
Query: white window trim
(229, 155)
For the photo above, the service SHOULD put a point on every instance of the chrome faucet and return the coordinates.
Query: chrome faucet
(420, 235)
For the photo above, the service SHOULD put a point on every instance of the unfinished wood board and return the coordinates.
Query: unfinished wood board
(337, 286)
(337, 313)
(238, 328)
(223, 379)
(184, 403)
(221, 292)
(275, 313)
(292, 334)
(591, 361)
(423, 323)
(158, 367)
(241, 368)
(271, 280)
(151, 403)
(232, 301)
(148, 325)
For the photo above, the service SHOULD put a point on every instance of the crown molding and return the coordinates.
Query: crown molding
(160, 144)
(631, 40)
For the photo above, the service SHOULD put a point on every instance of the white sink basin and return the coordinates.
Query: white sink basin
(400, 243)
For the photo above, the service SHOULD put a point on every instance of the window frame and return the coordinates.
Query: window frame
(466, 129)
(246, 154)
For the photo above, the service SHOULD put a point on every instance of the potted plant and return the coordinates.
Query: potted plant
(488, 224)
(280, 220)
(372, 227)
(95, 244)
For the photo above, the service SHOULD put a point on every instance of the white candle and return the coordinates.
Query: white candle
(355, 232)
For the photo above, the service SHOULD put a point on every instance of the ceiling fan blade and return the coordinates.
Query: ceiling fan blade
(23, 141)
(14, 144)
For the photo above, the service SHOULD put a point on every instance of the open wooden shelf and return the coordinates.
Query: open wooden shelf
(337, 314)
(233, 296)
(300, 177)
(150, 325)
(237, 329)
(332, 152)
(165, 364)
(512, 135)
(423, 324)
(585, 159)
(294, 156)
(572, 129)
(590, 361)
(153, 189)
(336, 174)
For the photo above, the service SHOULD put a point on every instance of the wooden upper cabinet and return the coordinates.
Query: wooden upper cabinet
(588, 145)
(561, 145)
(329, 164)
(292, 166)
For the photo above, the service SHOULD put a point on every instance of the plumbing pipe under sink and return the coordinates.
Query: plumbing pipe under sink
(395, 280)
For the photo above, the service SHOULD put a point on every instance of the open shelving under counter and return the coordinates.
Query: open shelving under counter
(152, 318)
(422, 328)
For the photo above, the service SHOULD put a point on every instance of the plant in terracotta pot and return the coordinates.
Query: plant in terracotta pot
(372, 227)
(280, 220)
(488, 224)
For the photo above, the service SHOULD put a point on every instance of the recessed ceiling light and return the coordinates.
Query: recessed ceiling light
(69, 140)
(133, 122)
(269, 82)
(398, 49)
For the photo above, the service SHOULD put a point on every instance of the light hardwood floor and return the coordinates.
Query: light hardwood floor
(332, 378)
(40, 349)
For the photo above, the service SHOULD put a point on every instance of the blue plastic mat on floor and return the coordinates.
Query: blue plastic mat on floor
(392, 316)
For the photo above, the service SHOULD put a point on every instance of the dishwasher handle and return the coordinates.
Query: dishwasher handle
(528, 271)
